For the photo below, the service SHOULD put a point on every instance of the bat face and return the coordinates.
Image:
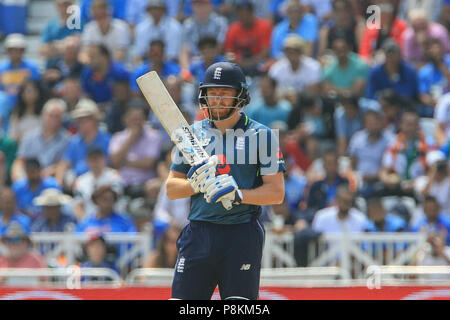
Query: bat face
(171, 117)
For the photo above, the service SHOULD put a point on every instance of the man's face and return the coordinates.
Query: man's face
(96, 251)
(221, 97)
(8, 201)
(72, 90)
(376, 213)
(373, 124)
(435, 51)
(95, 58)
(33, 174)
(431, 210)
(293, 54)
(157, 12)
(267, 89)
(419, 25)
(96, 163)
(135, 118)
(16, 54)
(341, 12)
(201, 9)
(340, 49)
(106, 201)
(99, 10)
(330, 164)
(245, 16)
(294, 12)
(156, 53)
(345, 201)
(393, 57)
(53, 118)
(409, 124)
(16, 246)
(87, 125)
(209, 52)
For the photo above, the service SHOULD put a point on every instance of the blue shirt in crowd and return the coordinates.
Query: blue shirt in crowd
(42, 224)
(392, 223)
(25, 196)
(101, 89)
(55, 31)
(113, 223)
(307, 29)
(76, 151)
(169, 68)
(432, 79)
(406, 84)
(442, 225)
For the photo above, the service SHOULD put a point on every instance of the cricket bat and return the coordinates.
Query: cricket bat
(173, 120)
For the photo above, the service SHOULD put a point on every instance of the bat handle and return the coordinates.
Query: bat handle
(227, 204)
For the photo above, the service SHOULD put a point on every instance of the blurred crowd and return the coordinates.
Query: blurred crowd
(360, 99)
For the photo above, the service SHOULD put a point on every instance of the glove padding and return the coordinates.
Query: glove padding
(200, 174)
(223, 189)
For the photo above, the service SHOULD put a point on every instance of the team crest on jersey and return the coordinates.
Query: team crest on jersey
(218, 73)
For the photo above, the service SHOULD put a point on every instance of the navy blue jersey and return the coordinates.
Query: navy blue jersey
(246, 152)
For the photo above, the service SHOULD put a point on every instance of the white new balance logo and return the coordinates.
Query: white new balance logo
(180, 265)
(218, 73)
(245, 267)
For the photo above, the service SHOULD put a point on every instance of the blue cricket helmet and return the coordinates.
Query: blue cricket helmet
(224, 75)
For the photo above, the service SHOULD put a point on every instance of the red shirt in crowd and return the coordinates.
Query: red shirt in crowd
(248, 42)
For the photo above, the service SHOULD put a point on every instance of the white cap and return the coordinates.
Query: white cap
(85, 108)
(15, 40)
(52, 197)
(434, 156)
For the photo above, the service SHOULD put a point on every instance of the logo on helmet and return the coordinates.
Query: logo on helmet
(218, 73)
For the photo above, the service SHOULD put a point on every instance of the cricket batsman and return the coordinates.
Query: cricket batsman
(223, 247)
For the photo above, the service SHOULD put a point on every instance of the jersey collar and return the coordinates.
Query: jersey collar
(241, 124)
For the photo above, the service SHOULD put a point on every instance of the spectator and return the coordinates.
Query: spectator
(431, 9)
(342, 217)
(382, 221)
(348, 73)
(9, 213)
(157, 25)
(15, 70)
(96, 249)
(63, 65)
(8, 149)
(299, 22)
(97, 77)
(437, 254)
(366, 150)
(416, 35)
(209, 54)
(46, 142)
(394, 73)
(73, 162)
(442, 116)
(31, 187)
(445, 15)
(295, 72)
(19, 247)
(104, 30)
(405, 158)
(4, 177)
(135, 150)
(27, 113)
(71, 93)
(203, 22)
(392, 106)
(348, 119)
(156, 62)
(165, 255)
(436, 182)
(434, 222)
(434, 77)
(391, 27)
(105, 219)
(53, 219)
(248, 39)
(119, 105)
(118, 9)
(181, 93)
(322, 9)
(323, 193)
(345, 23)
(57, 29)
(99, 174)
(269, 108)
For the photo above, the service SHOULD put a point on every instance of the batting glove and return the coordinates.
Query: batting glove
(201, 175)
(225, 190)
